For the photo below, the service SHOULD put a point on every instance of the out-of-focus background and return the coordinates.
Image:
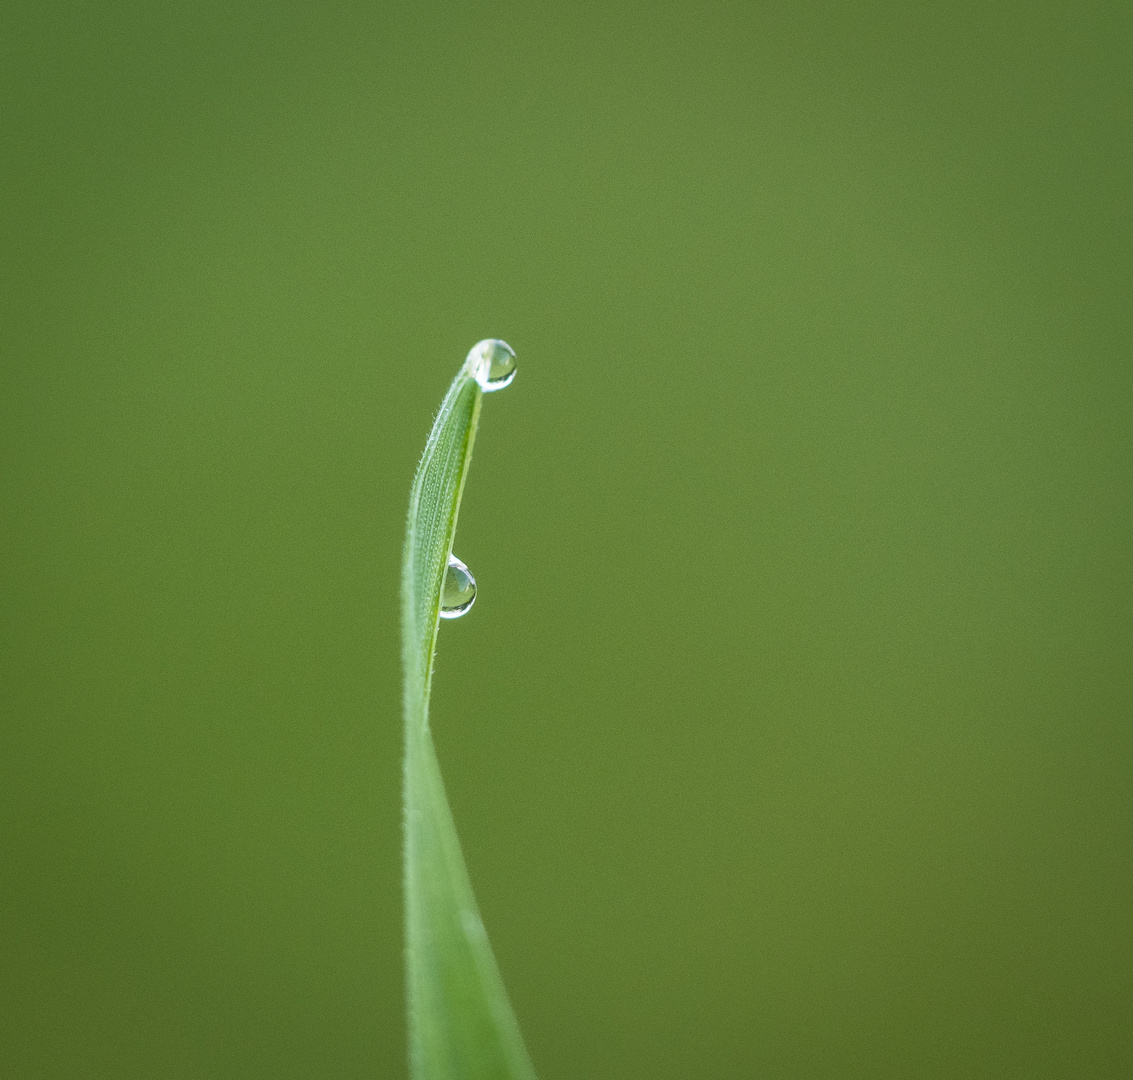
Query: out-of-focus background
(790, 736)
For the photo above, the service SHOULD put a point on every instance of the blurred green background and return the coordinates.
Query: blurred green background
(791, 734)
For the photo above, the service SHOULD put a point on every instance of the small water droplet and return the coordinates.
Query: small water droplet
(458, 591)
(493, 361)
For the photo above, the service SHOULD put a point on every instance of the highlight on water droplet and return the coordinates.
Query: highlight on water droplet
(458, 592)
(493, 362)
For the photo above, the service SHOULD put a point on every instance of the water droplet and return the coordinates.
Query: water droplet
(493, 361)
(458, 591)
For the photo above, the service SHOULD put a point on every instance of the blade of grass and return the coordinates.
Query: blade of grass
(461, 1025)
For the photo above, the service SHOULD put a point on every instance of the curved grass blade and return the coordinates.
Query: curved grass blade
(461, 1025)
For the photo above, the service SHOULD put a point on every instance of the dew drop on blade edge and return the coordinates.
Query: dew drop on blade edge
(493, 361)
(458, 590)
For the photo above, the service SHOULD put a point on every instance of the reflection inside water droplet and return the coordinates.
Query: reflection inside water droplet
(493, 361)
(458, 591)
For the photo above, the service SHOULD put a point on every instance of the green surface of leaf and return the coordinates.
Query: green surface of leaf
(461, 1025)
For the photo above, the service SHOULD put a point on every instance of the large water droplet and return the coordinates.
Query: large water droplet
(493, 362)
(458, 591)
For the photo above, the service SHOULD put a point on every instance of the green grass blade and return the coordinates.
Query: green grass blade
(461, 1025)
